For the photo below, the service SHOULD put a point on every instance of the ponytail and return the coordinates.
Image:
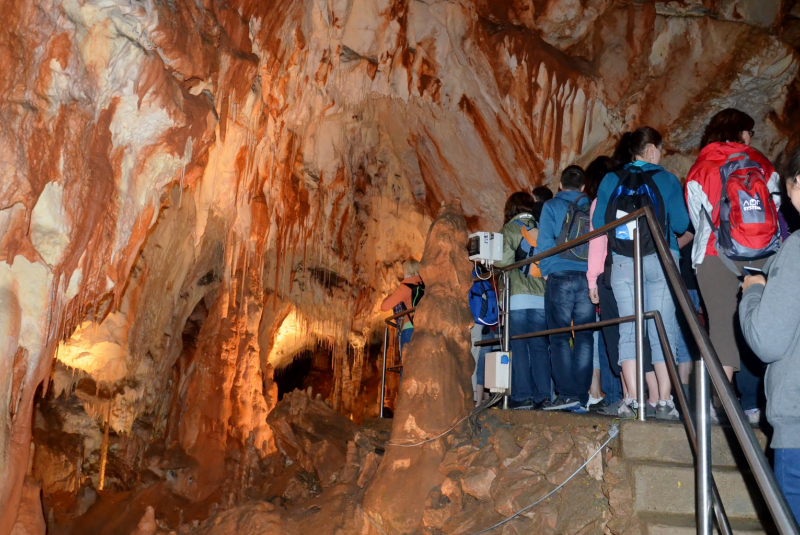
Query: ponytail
(632, 144)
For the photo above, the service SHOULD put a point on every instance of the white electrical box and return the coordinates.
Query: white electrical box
(497, 372)
(485, 247)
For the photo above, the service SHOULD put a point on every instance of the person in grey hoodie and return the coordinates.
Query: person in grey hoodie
(769, 314)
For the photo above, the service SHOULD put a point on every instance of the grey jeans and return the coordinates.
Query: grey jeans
(657, 296)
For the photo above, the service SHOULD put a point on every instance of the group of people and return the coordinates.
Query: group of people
(724, 217)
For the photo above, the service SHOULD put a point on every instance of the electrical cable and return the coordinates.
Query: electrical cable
(370, 520)
(613, 431)
(473, 412)
(478, 273)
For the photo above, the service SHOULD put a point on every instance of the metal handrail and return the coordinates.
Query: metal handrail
(707, 495)
(776, 502)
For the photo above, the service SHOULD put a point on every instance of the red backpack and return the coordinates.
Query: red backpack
(748, 221)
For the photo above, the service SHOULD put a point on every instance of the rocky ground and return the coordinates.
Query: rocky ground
(316, 482)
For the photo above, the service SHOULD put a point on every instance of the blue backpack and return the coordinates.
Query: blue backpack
(483, 301)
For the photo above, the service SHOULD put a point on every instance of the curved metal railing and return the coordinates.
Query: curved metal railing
(706, 492)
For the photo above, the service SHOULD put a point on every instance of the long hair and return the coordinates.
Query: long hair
(595, 173)
(632, 144)
(727, 125)
(520, 202)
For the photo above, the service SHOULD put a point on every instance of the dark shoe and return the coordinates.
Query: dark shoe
(649, 410)
(524, 405)
(597, 405)
(665, 410)
(620, 410)
(543, 405)
(561, 404)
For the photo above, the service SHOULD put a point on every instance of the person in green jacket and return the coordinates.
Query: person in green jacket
(530, 358)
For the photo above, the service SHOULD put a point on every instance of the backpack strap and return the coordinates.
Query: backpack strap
(725, 260)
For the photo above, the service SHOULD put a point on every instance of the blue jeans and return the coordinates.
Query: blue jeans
(787, 472)
(682, 353)
(405, 337)
(567, 303)
(530, 358)
(657, 296)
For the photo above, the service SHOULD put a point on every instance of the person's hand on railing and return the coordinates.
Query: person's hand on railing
(753, 279)
(594, 295)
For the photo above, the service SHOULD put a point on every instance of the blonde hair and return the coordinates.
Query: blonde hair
(410, 268)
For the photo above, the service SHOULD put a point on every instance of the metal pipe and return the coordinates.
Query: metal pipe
(507, 331)
(506, 312)
(774, 498)
(576, 242)
(638, 304)
(716, 500)
(383, 374)
(703, 470)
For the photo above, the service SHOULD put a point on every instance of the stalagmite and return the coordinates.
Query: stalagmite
(435, 391)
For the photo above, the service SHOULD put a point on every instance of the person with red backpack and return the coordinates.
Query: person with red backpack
(729, 194)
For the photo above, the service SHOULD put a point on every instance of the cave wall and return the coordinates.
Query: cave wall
(278, 160)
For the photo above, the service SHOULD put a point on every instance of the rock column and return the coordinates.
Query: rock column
(435, 392)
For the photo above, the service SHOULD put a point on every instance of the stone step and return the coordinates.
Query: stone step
(667, 442)
(669, 490)
(685, 525)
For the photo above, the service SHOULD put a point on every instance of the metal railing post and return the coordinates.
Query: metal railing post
(683, 401)
(774, 498)
(638, 299)
(506, 346)
(703, 472)
(383, 375)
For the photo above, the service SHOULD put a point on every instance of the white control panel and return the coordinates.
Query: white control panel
(497, 372)
(485, 247)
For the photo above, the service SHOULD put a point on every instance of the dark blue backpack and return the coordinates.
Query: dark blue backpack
(483, 301)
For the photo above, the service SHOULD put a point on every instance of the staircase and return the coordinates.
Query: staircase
(662, 466)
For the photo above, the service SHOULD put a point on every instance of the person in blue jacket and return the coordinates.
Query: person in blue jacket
(566, 298)
(640, 152)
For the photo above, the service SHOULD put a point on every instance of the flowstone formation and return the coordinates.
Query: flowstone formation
(192, 194)
(435, 389)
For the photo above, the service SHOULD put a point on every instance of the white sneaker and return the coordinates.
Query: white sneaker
(753, 416)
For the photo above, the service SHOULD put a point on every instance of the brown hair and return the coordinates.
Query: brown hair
(727, 125)
(595, 173)
(520, 202)
(632, 144)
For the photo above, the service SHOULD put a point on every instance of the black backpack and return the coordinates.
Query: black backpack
(636, 189)
(417, 291)
(576, 224)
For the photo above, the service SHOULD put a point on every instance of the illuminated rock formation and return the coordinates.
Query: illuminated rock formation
(435, 392)
(190, 192)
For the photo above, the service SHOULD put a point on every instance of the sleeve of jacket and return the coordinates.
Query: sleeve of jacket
(769, 315)
(509, 250)
(676, 205)
(597, 254)
(547, 237)
(698, 203)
